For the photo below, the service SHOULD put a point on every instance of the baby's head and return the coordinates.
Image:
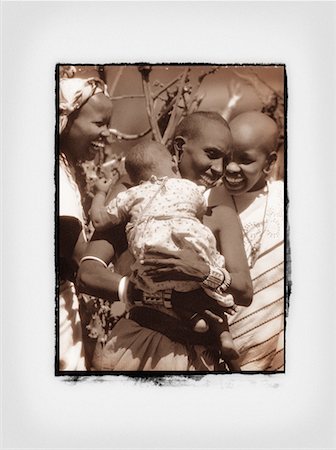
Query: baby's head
(147, 159)
(253, 154)
(200, 143)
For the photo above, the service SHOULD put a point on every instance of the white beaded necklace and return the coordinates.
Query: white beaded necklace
(255, 249)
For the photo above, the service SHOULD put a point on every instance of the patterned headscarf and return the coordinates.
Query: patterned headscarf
(74, 92)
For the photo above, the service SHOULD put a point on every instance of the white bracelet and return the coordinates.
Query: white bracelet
(218, 278)
(227, 280)
(122, 289)
(93, 258)
(214, 279)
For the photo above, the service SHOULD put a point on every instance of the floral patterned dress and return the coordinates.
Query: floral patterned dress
(164, 213)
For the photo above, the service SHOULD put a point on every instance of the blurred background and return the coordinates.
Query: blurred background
(259, 88)
(150, 100)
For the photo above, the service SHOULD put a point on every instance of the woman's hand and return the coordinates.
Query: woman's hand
(175, 265)
(184, 264)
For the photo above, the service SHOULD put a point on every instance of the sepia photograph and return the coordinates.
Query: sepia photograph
(167, 225)
(170, 219)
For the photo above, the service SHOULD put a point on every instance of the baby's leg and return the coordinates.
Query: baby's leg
(198, 323)
(195, 320)
(185, 308)
(186, 311)
(227, 347)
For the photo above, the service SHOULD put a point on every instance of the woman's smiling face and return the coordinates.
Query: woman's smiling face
(243, 170)
(246, 166)
(202, 156)
(87, 131)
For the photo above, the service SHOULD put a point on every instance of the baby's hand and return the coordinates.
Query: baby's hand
(226, 301)
(102, 185)
(231, 310)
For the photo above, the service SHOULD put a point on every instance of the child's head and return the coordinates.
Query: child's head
(200, 142)
(253, 153)
(85, 113)
(147, 159)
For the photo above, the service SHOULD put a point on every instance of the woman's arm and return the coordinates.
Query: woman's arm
(186, 264)
(93, 277)
(225, 225)
(72, 245)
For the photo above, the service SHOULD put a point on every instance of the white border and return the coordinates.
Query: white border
(296, 410)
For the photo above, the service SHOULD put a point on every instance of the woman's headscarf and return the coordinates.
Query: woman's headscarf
(74, 92)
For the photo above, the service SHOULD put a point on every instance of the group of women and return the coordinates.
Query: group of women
(245, 214)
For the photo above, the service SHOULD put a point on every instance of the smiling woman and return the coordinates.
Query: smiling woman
(258, 330)
(85, 111)
(201, 140)
(85, 119)
(173, 107)
(153, 337)
(250, 161)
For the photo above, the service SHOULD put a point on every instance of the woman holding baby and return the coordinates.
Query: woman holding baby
(148, 342)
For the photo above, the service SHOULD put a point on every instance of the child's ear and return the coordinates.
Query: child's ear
(178, 144)
(271, 159)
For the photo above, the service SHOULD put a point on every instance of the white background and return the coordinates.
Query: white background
(296, 410)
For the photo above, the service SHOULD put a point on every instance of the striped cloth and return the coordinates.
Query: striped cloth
(258, 330)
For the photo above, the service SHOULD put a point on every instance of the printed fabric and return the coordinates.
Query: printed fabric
(134, 348)
(164, 213)
(258, 330)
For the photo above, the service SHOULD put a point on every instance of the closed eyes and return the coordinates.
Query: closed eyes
(213, 153)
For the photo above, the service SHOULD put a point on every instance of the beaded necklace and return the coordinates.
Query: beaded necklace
(255, 249)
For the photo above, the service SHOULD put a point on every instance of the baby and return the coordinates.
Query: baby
(163, 210)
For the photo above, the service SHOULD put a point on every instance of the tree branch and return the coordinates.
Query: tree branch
(123, 97)
(145, 70)
(116, 80)
(266, 84)
(253, 80)
(129, 137)
(194, 101)
(174, 114)
(167, 86)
